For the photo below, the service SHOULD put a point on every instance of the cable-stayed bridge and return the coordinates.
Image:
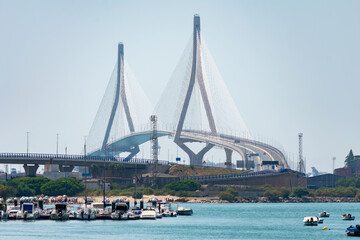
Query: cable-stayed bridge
(195, 107)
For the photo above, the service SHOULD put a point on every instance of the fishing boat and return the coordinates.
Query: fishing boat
(348, 217)
(86, 214)
(324, 214)
(60, 212)
(100, 211)
(320, 220)
(148, 213)
(27, 212)
(120, 211)
(134, 213)
(353, 231)
(184, 211)
(166, 210)
(3, 211)
(310, 221)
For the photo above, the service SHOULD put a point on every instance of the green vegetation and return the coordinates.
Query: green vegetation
(57, 187)
(300, 192)
(228, 195)
(31, 186)
(184, 185)
(272, 195)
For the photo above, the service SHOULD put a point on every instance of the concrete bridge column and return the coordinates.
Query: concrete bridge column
(66, 168)
(195, 159)
(228, 153)
(30, 170)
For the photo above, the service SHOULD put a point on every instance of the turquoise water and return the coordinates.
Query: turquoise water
(210, 221)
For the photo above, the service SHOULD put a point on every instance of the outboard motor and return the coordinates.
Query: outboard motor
(41, 203)
(141, 204)
(113, 206)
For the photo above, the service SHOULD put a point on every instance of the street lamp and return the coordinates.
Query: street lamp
(57, 144)
(27, 143)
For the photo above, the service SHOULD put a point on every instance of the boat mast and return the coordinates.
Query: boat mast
(85, 171)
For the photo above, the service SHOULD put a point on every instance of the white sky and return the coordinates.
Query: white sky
(291, 66)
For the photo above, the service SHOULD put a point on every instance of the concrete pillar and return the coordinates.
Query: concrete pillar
(66, 168)
(30, 170)
(228, 153)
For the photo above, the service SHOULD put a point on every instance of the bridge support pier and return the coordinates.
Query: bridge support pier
(30, 170)
(228, 153)
(195, 159)
(66, 168)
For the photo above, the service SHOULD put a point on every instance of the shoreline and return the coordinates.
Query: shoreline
(216, 199)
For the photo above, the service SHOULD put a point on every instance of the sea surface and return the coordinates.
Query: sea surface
(209, 221)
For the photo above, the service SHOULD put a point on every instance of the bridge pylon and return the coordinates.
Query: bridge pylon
(196, 77)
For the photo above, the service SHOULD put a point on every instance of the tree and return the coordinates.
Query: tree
(184, 185)
(57, 187)
(301, 191)
(6, 191)
(226, 195)
(28, 186)
(271, 195)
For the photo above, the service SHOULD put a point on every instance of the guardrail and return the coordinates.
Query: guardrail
(70, 157)
(232, 176)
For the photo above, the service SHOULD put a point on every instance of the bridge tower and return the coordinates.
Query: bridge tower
(195, 77)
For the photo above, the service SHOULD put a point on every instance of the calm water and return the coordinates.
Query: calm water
(210, 221)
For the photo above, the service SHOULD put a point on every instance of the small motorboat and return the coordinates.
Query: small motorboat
(60, 212)
(3, 211)
(148, 213)
(86, 214)
(120, 211)
(12, 212)
(27, 212)
(348, 217)
(310, 221)
(353, 231)
(320, 220)
(324, 214)
(184, 211)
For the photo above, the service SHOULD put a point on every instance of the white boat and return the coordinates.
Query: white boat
(324, 214)
(148, 213)
(120, 211)
(99, 210)
(27, 212)
(348, 217)
(12, 212)
(60, 212)
(86, 214)
(167, 211)
(3, 211)
(310, 221)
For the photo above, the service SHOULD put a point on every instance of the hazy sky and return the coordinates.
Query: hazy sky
(291, 66)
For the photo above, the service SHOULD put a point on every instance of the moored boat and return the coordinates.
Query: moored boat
(310, 221)
(27, 212)
(3, 211)
(86, 214)
(324, 214)
(148, 213)
(184, 211)
(60, 212)
(120, 211)
(348, 217)
(353, 231)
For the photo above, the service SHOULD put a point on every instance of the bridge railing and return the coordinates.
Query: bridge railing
(70, 157)
(231, 176)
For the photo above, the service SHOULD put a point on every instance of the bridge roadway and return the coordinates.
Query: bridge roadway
(237, 144)
(75, 160)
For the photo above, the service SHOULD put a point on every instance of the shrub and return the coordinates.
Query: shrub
(184, 185)
(225, 195)
(271, 195)
(301, 191)
(284, 193)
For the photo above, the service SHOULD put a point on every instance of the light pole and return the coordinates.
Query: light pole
(27, 143)
(57, 144)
